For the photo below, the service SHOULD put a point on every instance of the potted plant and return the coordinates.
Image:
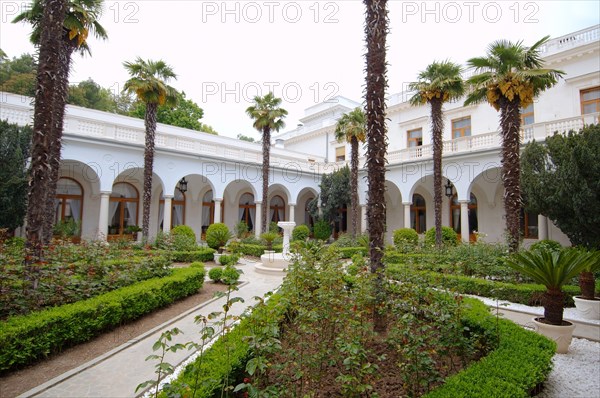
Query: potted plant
(268, 238)
(552, 269)
(217, 236)
(132, 230)
(588, 305)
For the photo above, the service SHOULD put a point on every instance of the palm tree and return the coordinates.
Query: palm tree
(376, 29)
(50, 33)
(509, 78)
(267, 117)
(440, 82)
(148, 82)
(351, 128)
(81, 18)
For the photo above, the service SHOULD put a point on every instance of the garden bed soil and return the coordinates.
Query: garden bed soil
(20, 381)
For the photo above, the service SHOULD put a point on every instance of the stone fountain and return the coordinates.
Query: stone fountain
(277, 263)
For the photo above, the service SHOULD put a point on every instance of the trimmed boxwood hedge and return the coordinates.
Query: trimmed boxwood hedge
(525, 293)
(27, 338)
(348, 252)
(203, 254)
(522, 360)
(214, 369)
(256, 250)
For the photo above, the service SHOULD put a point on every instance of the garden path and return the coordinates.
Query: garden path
(117, 373)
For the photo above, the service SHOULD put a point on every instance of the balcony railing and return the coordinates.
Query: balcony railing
(81, 122)
(575, 39)
(538, 131)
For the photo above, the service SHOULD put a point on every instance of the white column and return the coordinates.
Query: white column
(464, 220)
(217, 217)
(363, 217)
(167, 212)
(407, 214)
(292, 216)
(103, 216)
(542, 227)
(258, 221)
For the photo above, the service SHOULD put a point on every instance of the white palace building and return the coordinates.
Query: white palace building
(102, 161)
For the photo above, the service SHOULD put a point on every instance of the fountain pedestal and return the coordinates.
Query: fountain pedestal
(277, 263)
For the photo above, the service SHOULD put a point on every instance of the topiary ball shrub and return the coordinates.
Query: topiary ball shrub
(546, 245)
(184, 238)
(228, 259)
(215, 274)
(217, 236)
(449, 237)
(322, 230)
(406, 239)
(197, 264)
(301, 232)
(230, 275)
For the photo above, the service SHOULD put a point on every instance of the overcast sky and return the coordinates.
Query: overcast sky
(225, 53)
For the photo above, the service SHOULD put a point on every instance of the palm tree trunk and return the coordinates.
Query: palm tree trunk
(587, 285)
(48, 65)
(265, 177)
(437, 129)
(510, 122)
(354, 185)
(553, 302)
(60, 100)
(150, 122)
(376, 29)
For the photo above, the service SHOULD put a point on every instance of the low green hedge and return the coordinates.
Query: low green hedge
(213, 369)
(203, 254)
(256, 250)
(526, 293)
(522, 360)
(27, 338)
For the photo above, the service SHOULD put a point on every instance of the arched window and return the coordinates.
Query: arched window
(277, 209)
(455, 216)
(123, 208)
(177, 209)
(68, 204)
(247, 210)
(418, 209)
(208, 210)
(308, 220)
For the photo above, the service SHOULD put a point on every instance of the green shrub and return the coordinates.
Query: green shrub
(27, 338)
(406, 239)
(241, 230)
(197, 264)
(209, 372)
(230, 275)
(268, 238)
(348, 252)
(200, 254)
(273, 227)
(521, 361)
(525, 293)
(217, 236)
(251, 240)
(546, 244)
(449, 237)
(363, 240)
(322, 230)
(215, 274)
(184, 238)
(226, 259)
(300, 232)
(163, 241)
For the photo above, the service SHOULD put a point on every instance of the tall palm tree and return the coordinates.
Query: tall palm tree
(80, 19)
(351, 128)
(148, 82)
(509, 77)
(50, 50)
(376, 30)
(267, 117)
(440, 82)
